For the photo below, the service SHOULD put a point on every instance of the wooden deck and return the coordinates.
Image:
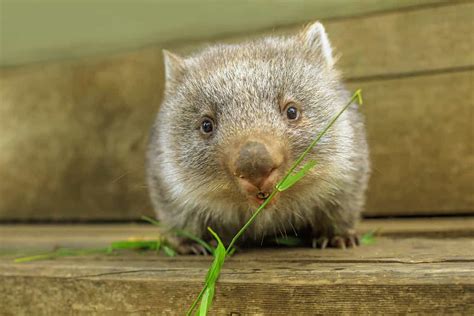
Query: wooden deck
(415, 266)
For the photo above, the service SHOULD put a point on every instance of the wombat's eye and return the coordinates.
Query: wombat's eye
(207, 126)
(292, 112)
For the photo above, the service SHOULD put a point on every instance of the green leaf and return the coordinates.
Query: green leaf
(231, 251)
(34, 258)
(207, 300)
(168, 251)
(290, 241)
(151, 220)
(212, 275)
(291, 179)
(368, 238)
(207, 293)
(61, 252)
(358, 93)
(135, 244)
(181, 233)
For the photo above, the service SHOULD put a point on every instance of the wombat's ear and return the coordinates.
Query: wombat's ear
(316, 39)
(174, 67)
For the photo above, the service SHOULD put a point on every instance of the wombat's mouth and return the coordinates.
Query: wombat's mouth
(257, 195)
(263, 195)
(257, 199)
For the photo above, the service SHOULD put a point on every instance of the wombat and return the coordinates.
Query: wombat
(233, 120)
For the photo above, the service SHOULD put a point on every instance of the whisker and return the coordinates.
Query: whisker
(280, 224)
(299, 215)
(120, 177)
(292, 227)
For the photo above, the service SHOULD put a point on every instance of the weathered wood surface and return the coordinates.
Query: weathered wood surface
(313, 288)
(394, 275)
(84, 158)
(420, 132)
(128, 25)
(50, 236)
(396, 43)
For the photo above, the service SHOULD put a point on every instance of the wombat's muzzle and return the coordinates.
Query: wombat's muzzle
(257, 167)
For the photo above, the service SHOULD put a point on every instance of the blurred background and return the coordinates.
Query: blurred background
(81, 81)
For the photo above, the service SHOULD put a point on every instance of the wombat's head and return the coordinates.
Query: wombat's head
(235, 117)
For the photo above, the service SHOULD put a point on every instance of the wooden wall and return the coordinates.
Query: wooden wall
(416, 71)
(72, 133)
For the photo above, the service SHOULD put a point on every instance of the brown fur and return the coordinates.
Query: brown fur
(242, 87)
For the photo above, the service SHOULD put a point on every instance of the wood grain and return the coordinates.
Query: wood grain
(405, 42)
(420, 133)
(394, 275)
(35, 237)
(394, 43)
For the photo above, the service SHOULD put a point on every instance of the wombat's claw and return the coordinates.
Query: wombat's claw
(198, 249)
(343, 242)
(192, 249)
(320, 243)
(349, 241)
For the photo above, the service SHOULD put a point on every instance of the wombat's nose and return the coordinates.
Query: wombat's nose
(254, 163)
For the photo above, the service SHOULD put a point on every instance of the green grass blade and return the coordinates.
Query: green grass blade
(35, 258)
(170, 252)
(249, 222)
(198, 298)
(207, 293)
(206, 300)
(136, 244)
(151, 220)
(295, 177)
(219, 257)
(181, 233)
(357, 95)
(117, 245)
(231, 252)
(213, 275)
(62, 252)
(289, 241)
(369, 237)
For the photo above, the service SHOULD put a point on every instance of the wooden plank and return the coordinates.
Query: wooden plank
(56, 295)
(46, 36)
(400, 275)
(403, 250)
(405, 42)
(393, 43)
(84, 158)
(35, 237)
(420, 133)
(427, 227)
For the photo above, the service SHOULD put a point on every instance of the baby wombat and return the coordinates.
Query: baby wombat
(233, 120)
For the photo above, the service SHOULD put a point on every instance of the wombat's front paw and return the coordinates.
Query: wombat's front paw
(349, 240)
(191, 249)
(187, 247)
